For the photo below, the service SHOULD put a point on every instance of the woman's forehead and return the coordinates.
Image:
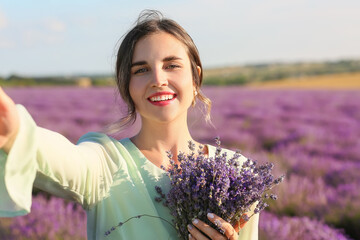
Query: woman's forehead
(158, 46)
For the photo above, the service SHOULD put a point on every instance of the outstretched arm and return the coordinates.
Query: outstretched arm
(31, 155)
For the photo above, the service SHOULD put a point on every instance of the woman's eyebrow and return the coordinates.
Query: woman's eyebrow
(171, 58)
(139, 63)
(167, 59)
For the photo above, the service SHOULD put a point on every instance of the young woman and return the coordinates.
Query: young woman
(159, 75)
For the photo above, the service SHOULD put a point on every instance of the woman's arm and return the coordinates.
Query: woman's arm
(32, 155)
(81, 172)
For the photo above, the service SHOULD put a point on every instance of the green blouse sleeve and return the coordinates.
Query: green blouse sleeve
(49, 161)
(18, 169)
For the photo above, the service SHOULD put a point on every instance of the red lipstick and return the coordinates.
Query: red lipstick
(162, 98)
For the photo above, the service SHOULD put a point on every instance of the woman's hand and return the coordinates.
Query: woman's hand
(9, 121)
(204, 231)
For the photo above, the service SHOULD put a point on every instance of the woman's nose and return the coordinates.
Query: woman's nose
(159, 78)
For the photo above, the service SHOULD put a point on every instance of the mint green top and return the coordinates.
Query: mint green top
(111, 179)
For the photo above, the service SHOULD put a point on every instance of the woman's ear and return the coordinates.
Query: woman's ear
(199, 70)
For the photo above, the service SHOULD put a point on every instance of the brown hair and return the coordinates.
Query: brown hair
(150, 22)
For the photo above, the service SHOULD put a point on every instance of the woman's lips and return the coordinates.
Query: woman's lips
(162, 98)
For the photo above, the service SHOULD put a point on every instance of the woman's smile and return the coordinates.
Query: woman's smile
(162, 98)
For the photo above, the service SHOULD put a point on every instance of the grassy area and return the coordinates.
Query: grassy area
(330, 81)
(82, 81)
(241, 75)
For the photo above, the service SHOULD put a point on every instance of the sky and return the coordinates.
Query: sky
(53, 37)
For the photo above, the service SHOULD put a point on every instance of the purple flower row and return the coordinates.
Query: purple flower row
(296, 228)
(49, 219)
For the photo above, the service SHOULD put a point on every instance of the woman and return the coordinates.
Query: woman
(159, 75)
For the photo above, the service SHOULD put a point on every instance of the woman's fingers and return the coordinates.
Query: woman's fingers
(200, 230)
(225, 227)
(5, 101)
(195, 233)
(240, 224)
(9, 121)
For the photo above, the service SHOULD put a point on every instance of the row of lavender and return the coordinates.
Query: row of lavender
(313, 136)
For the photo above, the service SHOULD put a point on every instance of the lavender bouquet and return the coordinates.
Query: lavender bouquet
(220, 185)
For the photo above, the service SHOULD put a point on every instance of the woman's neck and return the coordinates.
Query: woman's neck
(154, 139)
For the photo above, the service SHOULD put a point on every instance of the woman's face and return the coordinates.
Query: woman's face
(161, 83)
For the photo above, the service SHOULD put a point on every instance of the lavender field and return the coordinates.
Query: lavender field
(313, 136)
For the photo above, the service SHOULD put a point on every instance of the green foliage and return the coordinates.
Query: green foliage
(16, 80)
(347, 219)
(275, 71)
(221, 81)
(102, 81)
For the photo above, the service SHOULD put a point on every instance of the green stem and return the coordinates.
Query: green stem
(138, 216)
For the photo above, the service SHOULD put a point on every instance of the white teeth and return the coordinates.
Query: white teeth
(161, 98)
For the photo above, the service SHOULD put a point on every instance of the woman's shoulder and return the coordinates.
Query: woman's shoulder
(95, 137)
(107, 142)
(229, 153)
(98, 137)
(122, 146)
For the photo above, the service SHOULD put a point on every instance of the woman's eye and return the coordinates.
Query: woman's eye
(172, 66)
(140, 70)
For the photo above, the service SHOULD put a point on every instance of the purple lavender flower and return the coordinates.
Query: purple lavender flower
(200, 185)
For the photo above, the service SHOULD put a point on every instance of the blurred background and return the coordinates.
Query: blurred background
(57, 38)
(284, 77)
